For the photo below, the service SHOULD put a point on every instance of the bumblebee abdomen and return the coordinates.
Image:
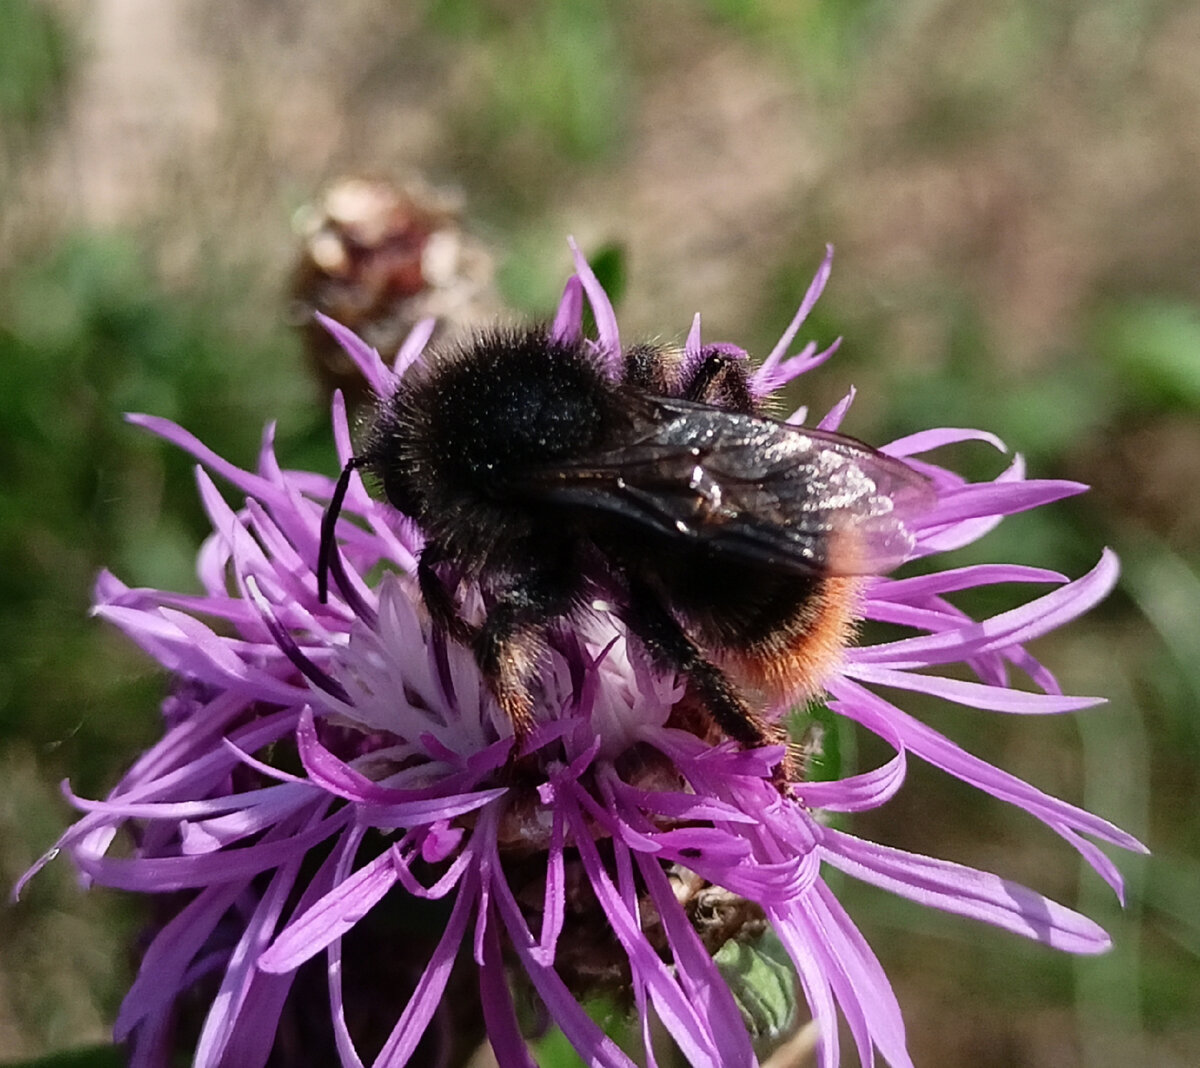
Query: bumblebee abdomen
(799, 648)
(780, 635)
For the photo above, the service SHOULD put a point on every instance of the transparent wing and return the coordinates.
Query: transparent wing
(748, 487)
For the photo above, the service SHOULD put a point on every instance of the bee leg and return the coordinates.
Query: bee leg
(510, 642)
(439, 601)
(667, 644)
(720, 379)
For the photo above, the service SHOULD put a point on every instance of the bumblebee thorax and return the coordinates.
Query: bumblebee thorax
(454, 443)
(508, 403)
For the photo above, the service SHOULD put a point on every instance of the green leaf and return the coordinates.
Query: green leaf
(819, 731)
(763, 982)
(1155, 346)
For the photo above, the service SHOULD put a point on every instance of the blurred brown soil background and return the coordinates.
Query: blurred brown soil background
(1013, 190)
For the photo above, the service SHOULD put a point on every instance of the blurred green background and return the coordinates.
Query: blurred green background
(1012, 190)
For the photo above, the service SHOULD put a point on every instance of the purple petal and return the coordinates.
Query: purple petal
(555, 895)
(873, 712)
(913, 589)
(800, 364)
(691, 347)
(413, 347)
(1000, 498)
(680, 1017)
(444, 883)
(791, 924)
(499, 1014)
(250, 1037)
(1015, 627)
(248, 483)
(925, 440)
(332, 916)
(402, 1042)
(710, 845)
(240, 973)
(858, 793)
(287, 645)
(272, 806)
(698, 974)
(607, 333)
(422, 811)
(365, 358)
(972, 694)
(955, 888)
(568, 320)
(249, 1043)
(765, 377)
(680, 806)
(267, 797)
(160, 977)
(592, 1044)
(833, 418)
(337, 777)
(341, 859)
(160, 874)
(862, 988)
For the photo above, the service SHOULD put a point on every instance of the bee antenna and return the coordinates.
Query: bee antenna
(325, 555)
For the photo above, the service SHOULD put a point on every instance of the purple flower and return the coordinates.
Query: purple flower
(318, 759)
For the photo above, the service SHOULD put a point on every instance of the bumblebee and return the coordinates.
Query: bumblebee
(731, 544)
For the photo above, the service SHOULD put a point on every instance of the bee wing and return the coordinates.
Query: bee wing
(755, 489)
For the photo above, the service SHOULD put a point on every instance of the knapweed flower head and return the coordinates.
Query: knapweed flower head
(326, 763)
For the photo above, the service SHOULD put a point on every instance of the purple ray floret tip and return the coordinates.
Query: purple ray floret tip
(327, 767)
(608, 335)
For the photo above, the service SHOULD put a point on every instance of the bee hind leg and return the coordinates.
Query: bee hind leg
(667, 644)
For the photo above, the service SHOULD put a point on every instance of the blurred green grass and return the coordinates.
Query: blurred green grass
(94, 322)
